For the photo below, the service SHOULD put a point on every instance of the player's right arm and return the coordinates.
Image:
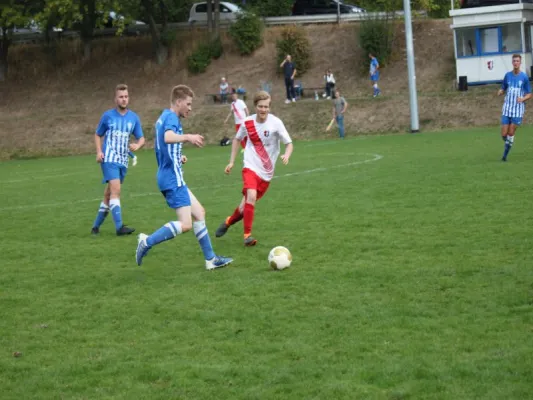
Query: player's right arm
(171, 128)
(504, 86)
(235, 146)
(172, 137)
(101, 130)
(229, 115)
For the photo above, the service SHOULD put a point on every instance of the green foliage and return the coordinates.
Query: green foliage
(247, 32)
(270, 8)
(376, 36)
(200, 58)
(216, 48)
(294, 41)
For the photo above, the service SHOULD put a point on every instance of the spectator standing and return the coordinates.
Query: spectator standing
(289, 72)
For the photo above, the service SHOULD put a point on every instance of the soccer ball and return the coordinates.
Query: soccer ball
(280, 258)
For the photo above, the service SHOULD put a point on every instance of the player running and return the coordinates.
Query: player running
(517, 91)
(112, 139)
(264, 132)
(239, 111)
(168, 142)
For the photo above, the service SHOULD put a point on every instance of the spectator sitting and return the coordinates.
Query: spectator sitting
(330, 84)
(224, 90)
(241, 90)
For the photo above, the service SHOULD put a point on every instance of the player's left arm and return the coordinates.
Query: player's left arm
(138, 133)
(345, 106)
(246, 111)
(287, 141)
(527, 91)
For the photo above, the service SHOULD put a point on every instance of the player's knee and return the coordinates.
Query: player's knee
(251, 196)
(186, 226)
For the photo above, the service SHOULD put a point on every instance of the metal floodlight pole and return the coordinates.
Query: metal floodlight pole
(413, 102)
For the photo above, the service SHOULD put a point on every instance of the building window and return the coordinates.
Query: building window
(466, 42)
(503, 39)
(511, 38)
(489, 40)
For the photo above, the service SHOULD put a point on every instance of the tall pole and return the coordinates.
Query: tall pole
(413, 102)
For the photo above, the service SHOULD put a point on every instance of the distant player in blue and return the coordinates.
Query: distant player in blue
(168, 140)
(112, 145)
(374, 74)
(517, 91)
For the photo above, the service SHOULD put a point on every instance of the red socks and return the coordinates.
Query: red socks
(249, 211)
(234, 218)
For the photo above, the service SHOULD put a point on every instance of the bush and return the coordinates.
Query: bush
(200, 59)
(247, 32)
(294, 41)
(215, 48)
(270, 8)
(376, 37)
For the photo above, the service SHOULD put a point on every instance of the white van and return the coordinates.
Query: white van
(228, 12)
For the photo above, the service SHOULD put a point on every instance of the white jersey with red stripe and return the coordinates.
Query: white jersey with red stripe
(238, 108)
(263, 144)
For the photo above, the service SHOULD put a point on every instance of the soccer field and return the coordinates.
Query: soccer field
(412, 278)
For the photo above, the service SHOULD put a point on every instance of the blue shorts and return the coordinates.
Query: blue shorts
(511, 120)
(113, 171)
(177, 197)
(375, 77)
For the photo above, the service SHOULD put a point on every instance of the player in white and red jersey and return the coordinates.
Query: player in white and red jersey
(239, 111)
(264, 132)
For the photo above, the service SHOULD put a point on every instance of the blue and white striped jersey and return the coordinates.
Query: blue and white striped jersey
(117, 129)
(374, 64)
(169, 173)
(515, 86)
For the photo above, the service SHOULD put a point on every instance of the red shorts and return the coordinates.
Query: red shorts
(250, 180)
(243, 142)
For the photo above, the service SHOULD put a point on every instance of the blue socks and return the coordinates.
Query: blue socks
(509, 140)
(114, 205)
(166, 232)
(171, 229)
(200, 230)
(102, 213)
(130, 154)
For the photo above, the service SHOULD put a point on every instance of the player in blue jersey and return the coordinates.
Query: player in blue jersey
(374, 74)
(168, 141)
(112, 146)
(517, 91)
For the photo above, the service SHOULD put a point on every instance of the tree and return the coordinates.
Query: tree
(13, 14)
(83, 16)
(216, 20)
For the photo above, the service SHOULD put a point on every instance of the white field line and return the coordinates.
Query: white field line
(68, 203)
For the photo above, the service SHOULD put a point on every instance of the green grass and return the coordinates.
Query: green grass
(412, 278)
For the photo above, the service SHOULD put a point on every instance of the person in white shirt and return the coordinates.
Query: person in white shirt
(264, 132)
(240, 112)
(224, 88)
(330, 85)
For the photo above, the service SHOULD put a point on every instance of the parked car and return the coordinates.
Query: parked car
(486, 3)
(228, 12)
(311, 7)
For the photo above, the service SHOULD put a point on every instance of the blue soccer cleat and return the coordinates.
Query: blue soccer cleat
(142, 248)
(217, 262)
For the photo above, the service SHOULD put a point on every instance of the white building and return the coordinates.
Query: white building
(485, 39)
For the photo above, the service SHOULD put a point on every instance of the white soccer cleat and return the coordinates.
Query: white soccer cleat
(217, 262)
(134, 161)
(287, 101)
(142, 248)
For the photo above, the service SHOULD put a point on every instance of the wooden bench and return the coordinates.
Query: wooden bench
(214, 98)
(310, 91)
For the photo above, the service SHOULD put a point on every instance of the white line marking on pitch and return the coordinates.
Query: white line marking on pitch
(66, 203)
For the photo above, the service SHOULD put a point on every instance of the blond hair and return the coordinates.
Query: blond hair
(120, 87)
(261, 95)
(180, 92)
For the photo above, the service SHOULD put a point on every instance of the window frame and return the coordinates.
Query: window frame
(479, 52)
